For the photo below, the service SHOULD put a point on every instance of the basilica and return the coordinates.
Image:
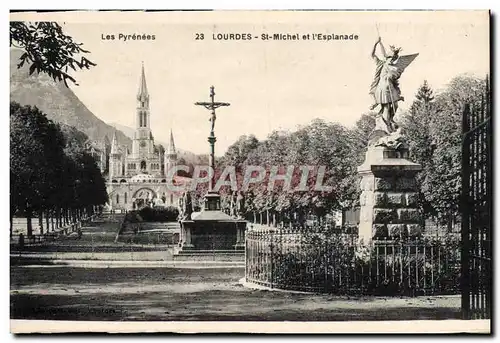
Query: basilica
(137, 177)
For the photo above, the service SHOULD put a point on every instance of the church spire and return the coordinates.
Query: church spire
(171, 145)
(143, 89)
(114, 144)
(170, 155)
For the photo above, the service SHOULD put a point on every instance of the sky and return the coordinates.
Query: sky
(269, 84)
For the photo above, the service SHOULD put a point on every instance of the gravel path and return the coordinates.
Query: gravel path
(67, 293)
(100, 282)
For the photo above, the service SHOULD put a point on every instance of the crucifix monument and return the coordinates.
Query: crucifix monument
(212, 105)
(211, 233)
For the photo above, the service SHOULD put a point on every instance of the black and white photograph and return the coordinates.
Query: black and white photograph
(250, 171)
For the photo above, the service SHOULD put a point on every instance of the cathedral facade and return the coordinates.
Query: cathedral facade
(137, 176)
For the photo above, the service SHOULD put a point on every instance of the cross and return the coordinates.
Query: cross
(212, 105)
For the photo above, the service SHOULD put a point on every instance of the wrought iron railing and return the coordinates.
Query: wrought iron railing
(477, 209)
(333, 262)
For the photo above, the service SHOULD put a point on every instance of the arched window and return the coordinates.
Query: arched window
(118, 198)
(143, 165)
(140, 119)
(144, 120)
(125, 197)
(171, 199)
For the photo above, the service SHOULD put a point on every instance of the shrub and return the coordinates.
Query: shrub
(132, 217)
(159, 214)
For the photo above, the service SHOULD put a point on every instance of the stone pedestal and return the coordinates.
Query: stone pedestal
(185, 237)
(388, 195)
(240, 237)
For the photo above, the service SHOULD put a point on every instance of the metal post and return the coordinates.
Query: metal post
(465, 275)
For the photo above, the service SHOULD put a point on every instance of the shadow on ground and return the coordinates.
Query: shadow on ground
(137, 294)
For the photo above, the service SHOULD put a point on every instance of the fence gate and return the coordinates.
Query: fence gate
(477, 210)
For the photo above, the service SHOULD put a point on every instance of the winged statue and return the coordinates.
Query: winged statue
(385, 89)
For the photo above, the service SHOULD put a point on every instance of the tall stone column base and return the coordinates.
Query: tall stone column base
(185, 237)
(389, 195)
(240, 238)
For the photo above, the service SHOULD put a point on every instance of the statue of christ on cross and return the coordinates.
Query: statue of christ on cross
(212, 105)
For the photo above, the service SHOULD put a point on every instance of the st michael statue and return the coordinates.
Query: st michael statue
(385, 89)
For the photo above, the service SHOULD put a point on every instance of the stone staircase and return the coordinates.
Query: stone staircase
(149, 233)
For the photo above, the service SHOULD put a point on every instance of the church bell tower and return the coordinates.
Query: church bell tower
(143, 145)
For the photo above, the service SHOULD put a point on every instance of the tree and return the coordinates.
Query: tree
(433, 126)
(361, 132)
(358, 143)
(418, 126)
(159, 149)
(317, 144)
(238, 152)
(47, 49)
(444, 185)
(51, 173)
(83, 185)
(36, 147)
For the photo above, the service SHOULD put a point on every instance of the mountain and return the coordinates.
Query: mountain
(127, 130)
(57, 101)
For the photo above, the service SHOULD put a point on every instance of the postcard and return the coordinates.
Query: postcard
(250, 171)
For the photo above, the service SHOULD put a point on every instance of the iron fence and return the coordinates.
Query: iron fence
(21, 240)
(337, 263)
(477, 209)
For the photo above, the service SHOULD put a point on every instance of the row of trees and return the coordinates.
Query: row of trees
(432, 125)
(331, 145)
(339, 149)
(52, 175)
